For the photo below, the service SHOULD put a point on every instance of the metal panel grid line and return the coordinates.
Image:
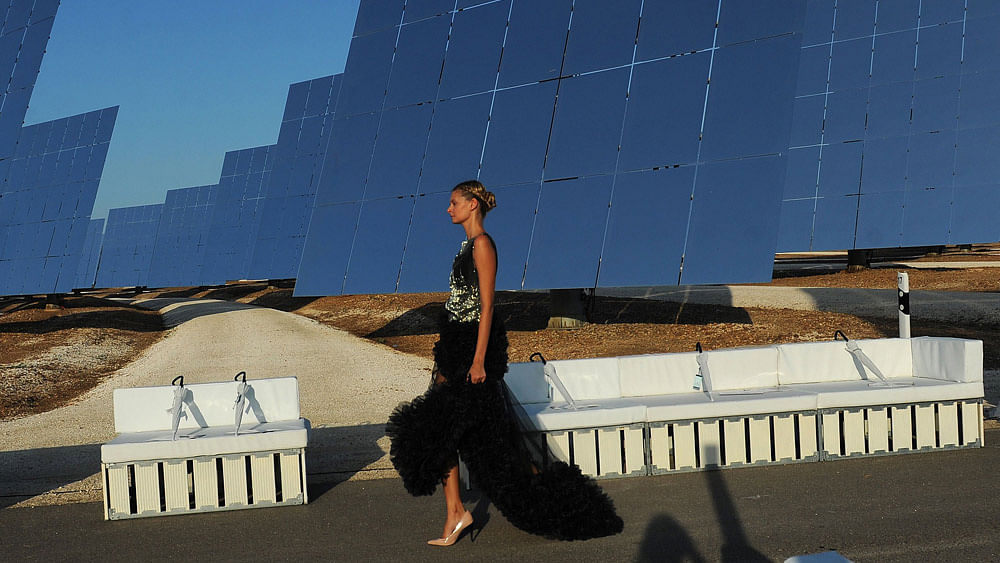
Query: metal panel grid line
(574, 120)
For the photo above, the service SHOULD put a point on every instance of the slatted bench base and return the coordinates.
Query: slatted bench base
(204, 484)
(602, 453)
(904, 428)
(740, 441)
(745, 441)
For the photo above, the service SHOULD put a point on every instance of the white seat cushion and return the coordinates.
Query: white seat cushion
(845, 394)
(684, 407)
(527, 383)
(657, 374)
(193, 442)
(950, 359)
(589, 414)
(816, 362)
(589, 379)
(743, 368)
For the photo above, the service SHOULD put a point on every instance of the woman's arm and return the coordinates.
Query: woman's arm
(485, 257)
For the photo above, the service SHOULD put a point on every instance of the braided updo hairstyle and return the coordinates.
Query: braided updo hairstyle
(475, 189)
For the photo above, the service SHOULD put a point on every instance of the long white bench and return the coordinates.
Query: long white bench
(636, 415)
(205, 464)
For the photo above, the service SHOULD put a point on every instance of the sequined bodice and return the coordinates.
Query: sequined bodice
(463, 303)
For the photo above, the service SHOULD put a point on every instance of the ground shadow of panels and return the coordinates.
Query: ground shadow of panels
(48, 193)
(553, 105)
(127, 250)
(90, 255)
(182, 237)
(892, 124)
(235, 218)
(24, 33)
(299, 157)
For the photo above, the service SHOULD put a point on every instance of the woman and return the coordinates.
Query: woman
(467, 410)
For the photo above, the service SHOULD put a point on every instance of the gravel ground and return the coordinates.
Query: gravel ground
(50, 356)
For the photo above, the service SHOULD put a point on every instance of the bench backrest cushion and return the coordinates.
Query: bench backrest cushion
(657, 374)
(144, 409)
(743, 368)
(818, 362)
(526, 382)
(948, 359)
(588, 379)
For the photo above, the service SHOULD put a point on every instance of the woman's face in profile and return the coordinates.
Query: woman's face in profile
(460, 208)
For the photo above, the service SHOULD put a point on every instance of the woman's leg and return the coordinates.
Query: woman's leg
(451, 483)
(452, 499)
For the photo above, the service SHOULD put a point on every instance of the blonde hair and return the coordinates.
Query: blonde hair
(475, 188)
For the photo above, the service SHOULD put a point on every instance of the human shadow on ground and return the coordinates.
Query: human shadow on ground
(334, 455)
(667, 540)
(530, 311)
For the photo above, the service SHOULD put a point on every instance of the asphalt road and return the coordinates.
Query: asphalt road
(932, 506)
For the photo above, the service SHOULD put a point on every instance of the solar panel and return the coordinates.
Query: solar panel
(48, 192)
(90, 255)
(893, 117)
(128, 246)
(24, 33)
(566, 103)
(182, 237)
(299, 157)
(235, 218)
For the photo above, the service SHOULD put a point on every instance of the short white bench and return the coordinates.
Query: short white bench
(637, 415)
(208, 467)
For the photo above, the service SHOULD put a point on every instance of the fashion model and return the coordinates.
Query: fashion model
(467, 410)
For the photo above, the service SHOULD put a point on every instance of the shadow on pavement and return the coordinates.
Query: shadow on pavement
(666, 540)
(28, 473)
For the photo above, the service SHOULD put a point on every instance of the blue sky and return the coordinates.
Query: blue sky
(194, 79)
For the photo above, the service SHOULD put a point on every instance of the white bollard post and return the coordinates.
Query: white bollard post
(903, 280)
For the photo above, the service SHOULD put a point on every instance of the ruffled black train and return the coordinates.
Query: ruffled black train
(478, 421)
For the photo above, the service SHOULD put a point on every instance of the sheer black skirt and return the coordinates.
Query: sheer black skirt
(478, 422)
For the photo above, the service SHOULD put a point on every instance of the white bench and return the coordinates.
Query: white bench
(642, 414)
(208, 467)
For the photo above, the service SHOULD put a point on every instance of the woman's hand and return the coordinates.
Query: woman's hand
(477, 374)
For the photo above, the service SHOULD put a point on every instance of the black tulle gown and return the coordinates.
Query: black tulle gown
(478, 422)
